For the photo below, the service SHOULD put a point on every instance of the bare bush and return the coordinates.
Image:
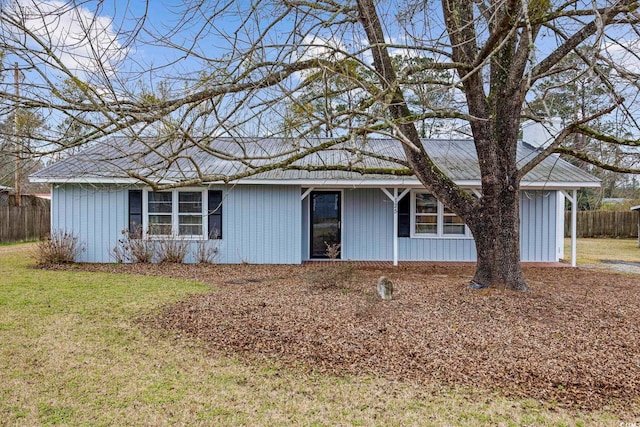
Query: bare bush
(206, 252)
(60, 247)
(131, 247)
(333, 250)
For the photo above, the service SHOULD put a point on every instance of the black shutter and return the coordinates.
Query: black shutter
(215, 214)
(135, 213)
(404, 216)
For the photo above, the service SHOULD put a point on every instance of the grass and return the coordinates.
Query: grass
(593, 251)
(73, 354)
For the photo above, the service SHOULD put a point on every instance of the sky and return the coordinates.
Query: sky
(110, 30)
(110, 25)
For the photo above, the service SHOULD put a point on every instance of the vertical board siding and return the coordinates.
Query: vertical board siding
(262, 225)
(95, 214)
(436, 249)
(269, 225)
(560, 201)
(538, 232)
(368, 222)
(367, 228)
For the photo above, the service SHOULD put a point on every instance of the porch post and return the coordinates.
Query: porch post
(395, 226)
(574, 225)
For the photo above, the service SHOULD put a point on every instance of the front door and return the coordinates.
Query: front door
(325, 224)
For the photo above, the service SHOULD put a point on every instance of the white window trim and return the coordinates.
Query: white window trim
(439, 222)
(175, 216)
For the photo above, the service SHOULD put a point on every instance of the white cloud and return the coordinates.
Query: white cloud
(82, 41)
(317, 47)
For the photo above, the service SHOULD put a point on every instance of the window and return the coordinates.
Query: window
(160, 205)
(452, 224)
(184, 213)
(190, 213)
(431, 218)
(426, 214)
(135, 213)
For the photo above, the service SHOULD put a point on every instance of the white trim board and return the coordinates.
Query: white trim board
(325, 183)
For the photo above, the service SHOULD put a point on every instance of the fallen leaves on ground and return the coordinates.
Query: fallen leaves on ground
(574, 338)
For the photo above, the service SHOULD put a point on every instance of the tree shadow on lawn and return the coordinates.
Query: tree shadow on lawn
(574, 338)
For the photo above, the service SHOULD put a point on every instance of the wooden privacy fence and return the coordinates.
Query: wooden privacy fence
(18, 223)
(603, 224)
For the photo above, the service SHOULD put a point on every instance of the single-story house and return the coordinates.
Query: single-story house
(290, 216)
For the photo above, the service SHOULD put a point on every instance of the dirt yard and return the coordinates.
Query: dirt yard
(574, 338)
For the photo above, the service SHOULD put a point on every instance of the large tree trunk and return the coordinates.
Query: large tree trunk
(494, 219)
(496, 231)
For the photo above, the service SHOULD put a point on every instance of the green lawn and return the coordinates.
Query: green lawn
(593, 251)
(71, 353)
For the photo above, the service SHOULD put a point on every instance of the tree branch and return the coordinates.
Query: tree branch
(586, 158)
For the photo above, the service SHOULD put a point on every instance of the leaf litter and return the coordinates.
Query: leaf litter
(573, 339)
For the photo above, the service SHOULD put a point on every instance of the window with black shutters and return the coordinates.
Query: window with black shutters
(135, 213)
(215, 214)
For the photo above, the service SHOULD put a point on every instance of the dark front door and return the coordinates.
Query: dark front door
(325, 222)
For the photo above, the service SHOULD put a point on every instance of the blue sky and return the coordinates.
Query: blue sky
(117, 18)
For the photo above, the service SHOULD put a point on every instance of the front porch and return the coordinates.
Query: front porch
(382, 224)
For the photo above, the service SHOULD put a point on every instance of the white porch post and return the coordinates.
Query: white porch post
(574, 225)
(573, 198)
(395, 198)
(395, 226)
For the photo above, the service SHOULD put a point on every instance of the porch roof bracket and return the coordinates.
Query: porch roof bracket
(395, 197)
(306, 193)
(389, 195)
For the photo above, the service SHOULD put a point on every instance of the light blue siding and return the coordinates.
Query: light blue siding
(538, 218)
(434, 249)
(95, 214)
(367, 227)
(368, 221)
(261, 225)
(269, 225)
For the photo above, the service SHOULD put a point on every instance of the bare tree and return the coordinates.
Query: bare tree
(576, 93)
(235, 68)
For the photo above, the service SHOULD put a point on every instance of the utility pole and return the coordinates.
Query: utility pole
(16, 127)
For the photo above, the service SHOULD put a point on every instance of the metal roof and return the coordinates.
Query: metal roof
(114, 160)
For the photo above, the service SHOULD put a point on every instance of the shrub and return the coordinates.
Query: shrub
(172, 250)
(333, 250)
(205, 252)
(131, 247)
(59, 247)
